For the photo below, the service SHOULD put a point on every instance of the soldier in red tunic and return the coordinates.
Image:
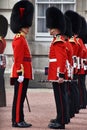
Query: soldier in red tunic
(83, 57)
(69, 61)
(76, 26)
(20, 22)
(3, 32)
(57, 60)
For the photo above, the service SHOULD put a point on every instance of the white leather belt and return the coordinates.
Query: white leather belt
(53, 60)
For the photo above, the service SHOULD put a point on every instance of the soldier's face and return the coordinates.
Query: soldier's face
(25, 30)
(54, 31)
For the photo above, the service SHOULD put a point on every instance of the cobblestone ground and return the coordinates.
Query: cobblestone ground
(42, 110)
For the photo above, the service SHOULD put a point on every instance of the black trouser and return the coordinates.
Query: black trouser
(20, 90)
(71, 99)
(82, 90)
(2, 88)
(75, 92)
(61, 100)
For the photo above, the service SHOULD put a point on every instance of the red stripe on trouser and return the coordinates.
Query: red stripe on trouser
(18, 102)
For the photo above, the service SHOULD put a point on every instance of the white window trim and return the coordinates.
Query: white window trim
(46, 36)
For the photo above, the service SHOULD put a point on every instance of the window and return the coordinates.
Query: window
(41, 32)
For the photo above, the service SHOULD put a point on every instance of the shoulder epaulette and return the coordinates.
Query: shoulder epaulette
(19, 35)
(72, 39)
(59, 38)
(1, 38)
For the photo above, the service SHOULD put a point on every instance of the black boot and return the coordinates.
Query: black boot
(22, 124)
(56, 126)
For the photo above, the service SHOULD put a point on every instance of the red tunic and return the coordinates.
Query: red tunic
(82, 54)
(74, 44)
(2, 56)
(2, 45)
(86, 61)
(22, 56)
(69, 51)
(57, 58)
(75, 47)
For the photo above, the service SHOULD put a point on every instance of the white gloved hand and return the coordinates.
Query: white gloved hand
(20, 79)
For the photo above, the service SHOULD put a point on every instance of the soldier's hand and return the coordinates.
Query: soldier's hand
(60, 80)
(20, 79)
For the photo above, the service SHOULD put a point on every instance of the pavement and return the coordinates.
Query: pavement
(42, 110)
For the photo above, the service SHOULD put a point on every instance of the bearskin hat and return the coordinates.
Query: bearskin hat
(55, 19)
(21, 16)
(83, 29)
(3, 26)
(84, 38)
(68, 31)
(75, 20)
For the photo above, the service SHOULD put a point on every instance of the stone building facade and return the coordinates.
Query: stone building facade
(38, 37)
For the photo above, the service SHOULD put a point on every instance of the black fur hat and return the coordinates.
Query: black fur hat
(3, 26)
(55, 19)
(84, 38)
(83, 32)
(68, 31)
(21, 16)
(75, 20)
(83, 29)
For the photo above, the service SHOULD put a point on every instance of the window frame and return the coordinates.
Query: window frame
(43, 36)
